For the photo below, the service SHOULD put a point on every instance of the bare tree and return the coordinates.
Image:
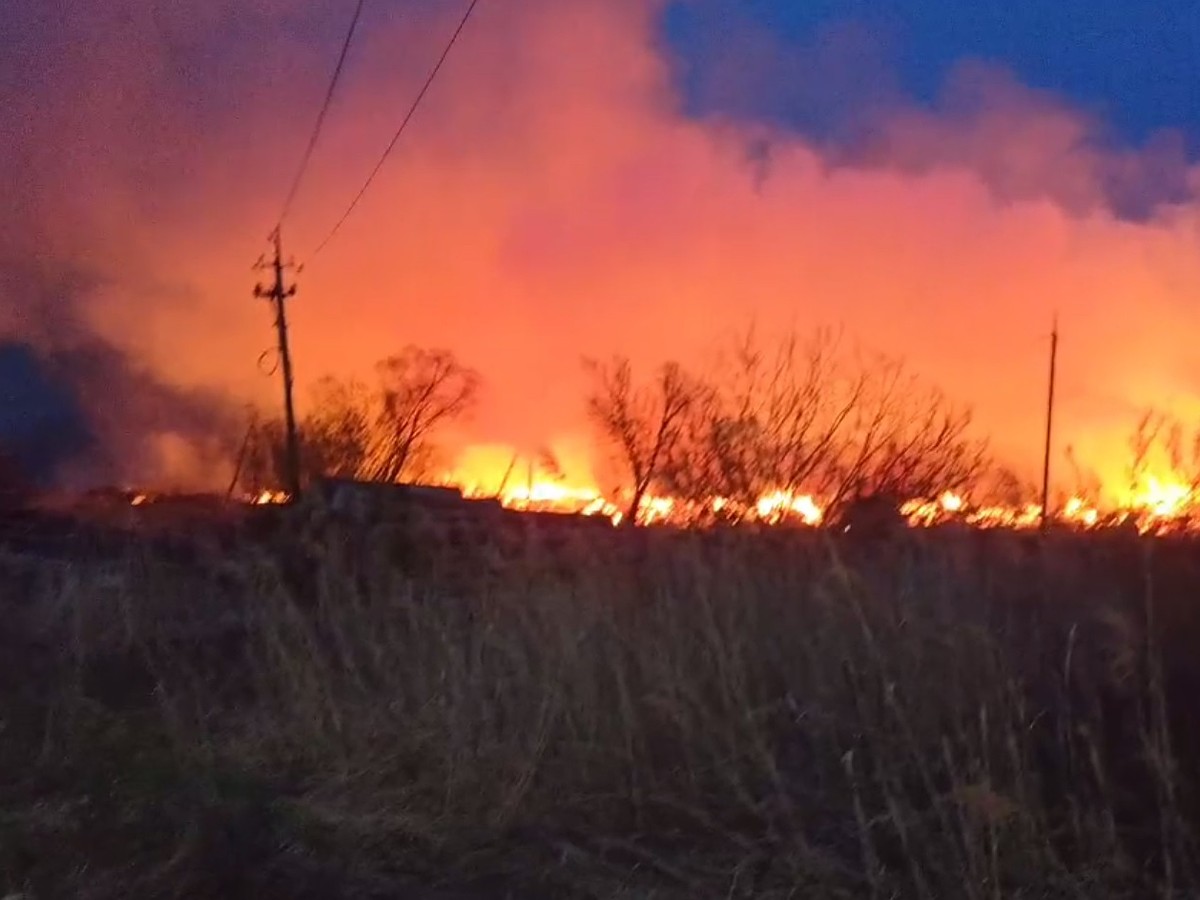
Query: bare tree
(769, 420)
(643, 424)
(797, 416)
(338, 432)
(903, 441)
(419, 391)
(381, 434)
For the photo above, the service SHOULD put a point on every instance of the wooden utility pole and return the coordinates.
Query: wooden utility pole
(277, 293)
(1049, 427)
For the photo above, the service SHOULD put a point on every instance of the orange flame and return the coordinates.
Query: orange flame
(1157, 505)
(779, 505)
(1164, 499)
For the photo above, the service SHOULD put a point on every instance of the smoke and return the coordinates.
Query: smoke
(1027, 146)
(557, 198)
(41, 424)
(80, 412)
(842, 89)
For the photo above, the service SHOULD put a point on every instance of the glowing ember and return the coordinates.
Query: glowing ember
(951, 502)
(921, 512)
(656, 509)
(271, 498)
(1018, 519)
(1079, 511)
(780, 505)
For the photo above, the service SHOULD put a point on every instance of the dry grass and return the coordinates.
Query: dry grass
(339, 712)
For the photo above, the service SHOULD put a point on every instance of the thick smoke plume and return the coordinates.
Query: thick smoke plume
(556, 200)
(78, 411)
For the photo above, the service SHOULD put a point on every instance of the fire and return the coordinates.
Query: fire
(1080, 511)
(485, 472)
(1164, 499)
(779, 505)
(930, 512)
(543, 492)
(542, 495)
(263, 498)
(1156, 505)
(656, 509)
(1020, 518)
(1159, 505)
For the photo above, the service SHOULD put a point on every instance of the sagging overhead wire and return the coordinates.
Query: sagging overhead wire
(403, 125)
(317, 127)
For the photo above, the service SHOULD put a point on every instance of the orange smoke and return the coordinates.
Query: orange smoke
(553, 201)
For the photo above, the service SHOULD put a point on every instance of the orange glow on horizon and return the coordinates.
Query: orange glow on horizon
(554, 200)
(1161, 505)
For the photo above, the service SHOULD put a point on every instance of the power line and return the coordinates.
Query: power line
(316, 134)
(403, 125)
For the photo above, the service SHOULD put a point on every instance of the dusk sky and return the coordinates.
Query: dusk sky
(595, 176)
(1129, 63)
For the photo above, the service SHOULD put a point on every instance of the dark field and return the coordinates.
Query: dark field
(285, 704)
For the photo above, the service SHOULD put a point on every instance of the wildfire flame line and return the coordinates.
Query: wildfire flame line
(1158, 506)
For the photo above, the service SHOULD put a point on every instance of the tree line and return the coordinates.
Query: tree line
(791, 414)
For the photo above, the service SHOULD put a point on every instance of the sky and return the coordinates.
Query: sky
(1129, 64)
(591, 177)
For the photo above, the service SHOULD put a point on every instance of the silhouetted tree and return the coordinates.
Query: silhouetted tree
(381, 434)
(767, 419)
(794, 416)
(338, 432)
(642, 423)
(902, 441)
(419, 391)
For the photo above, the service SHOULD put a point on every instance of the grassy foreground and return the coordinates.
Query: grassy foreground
(338, 711)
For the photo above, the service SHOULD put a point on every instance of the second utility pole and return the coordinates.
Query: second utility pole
(1049, 428)
(278, 293)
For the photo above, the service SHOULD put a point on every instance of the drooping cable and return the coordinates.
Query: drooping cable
(328, 102)
(400, 131)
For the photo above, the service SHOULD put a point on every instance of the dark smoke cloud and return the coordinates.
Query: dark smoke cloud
(80, 412)
(100, 136)
(42, 426)
(1025, 145)
(842, 88)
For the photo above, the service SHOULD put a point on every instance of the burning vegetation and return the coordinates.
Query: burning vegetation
(785, 432)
